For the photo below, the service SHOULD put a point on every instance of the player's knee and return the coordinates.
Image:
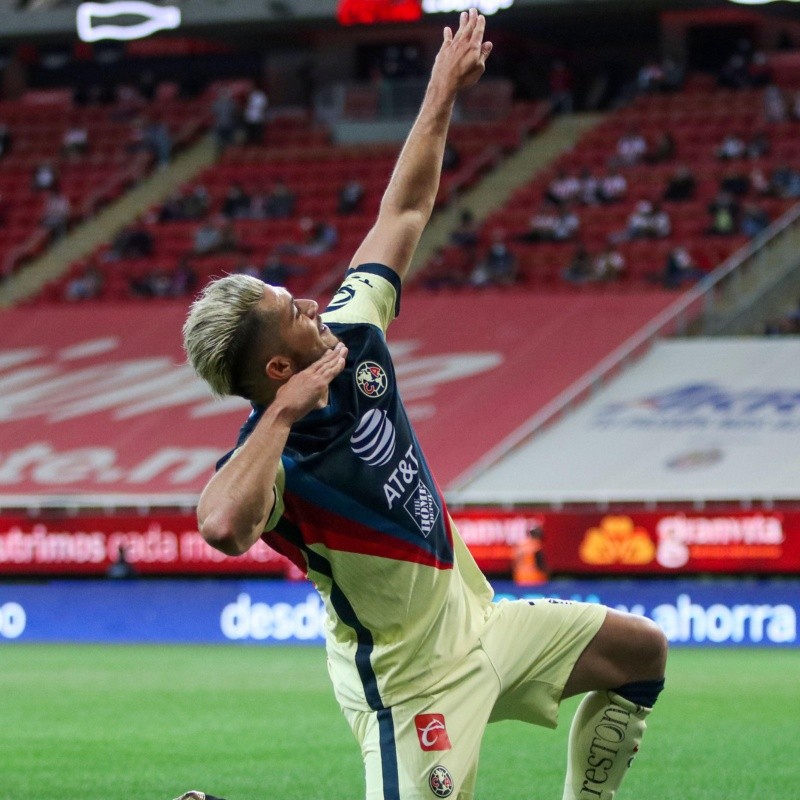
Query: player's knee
(653, 648)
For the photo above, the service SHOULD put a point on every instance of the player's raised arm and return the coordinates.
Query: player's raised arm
(408, 201)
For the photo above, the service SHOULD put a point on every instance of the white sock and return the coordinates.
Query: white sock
(603, 739)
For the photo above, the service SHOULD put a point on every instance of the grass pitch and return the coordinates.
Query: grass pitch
(259, 723)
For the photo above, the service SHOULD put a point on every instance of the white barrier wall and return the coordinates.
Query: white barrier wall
(701, 419)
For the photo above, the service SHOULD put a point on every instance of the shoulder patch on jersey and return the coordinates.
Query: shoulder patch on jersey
(371, 379)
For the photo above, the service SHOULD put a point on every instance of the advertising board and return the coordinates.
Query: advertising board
(255, 612)
(667, 542)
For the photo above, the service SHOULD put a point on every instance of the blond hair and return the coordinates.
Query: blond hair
(210, 331)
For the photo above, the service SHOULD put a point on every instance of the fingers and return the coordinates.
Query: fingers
(478, 28)
(486, 49)
(332, 362)
(448, 35)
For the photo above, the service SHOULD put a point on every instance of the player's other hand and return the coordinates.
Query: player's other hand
(308, 389)
(462, 57)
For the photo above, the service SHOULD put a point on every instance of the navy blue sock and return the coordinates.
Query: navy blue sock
(643, 693)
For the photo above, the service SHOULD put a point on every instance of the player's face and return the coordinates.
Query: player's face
(304, 334)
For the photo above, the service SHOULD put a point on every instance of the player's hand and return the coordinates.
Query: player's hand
(462, 57)
(308, 389)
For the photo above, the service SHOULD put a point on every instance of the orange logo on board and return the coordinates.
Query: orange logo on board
(616, 540)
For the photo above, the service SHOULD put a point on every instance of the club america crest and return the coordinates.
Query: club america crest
(441, 782)
(371, 379)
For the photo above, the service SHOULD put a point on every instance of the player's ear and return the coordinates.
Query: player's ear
(279, 368)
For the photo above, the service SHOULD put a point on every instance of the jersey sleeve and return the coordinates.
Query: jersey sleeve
(278, 507)
(370, 293)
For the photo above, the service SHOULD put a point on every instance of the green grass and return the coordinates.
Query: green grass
(123, 722)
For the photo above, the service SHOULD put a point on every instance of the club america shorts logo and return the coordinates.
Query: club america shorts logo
(371, 379)
(432, 732)
(440, 782)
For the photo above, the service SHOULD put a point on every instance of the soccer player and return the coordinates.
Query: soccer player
(328, 471)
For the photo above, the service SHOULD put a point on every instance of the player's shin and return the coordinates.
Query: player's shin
(603, 740)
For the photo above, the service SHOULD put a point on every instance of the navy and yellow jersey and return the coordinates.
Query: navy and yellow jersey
(358, 510)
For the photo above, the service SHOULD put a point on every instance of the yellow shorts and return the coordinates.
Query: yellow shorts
(428, 746)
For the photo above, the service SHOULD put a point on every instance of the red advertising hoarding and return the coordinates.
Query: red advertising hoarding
(98, 407)
(640, 543)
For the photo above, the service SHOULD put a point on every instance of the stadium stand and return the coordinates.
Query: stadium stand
(698, 119)
(112, 162)
(298, 153)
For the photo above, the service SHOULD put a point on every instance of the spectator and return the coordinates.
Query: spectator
(608, 265)
(631, 148)
(320, 237)
(158, 142)
(590, 188)
(215, 235)
(465, 235)
(129, 104)
(255, 116)
(246, 267)
(760, 183)
(724, 212)
(278, 204)
(45, 177)
(236, 204)
(735, 183)
(277, 271)
(682, 185)
(561, 88)
(731, 148)
(86, 286)
(56, 213)
(664, 77)
(663, 149)
(183, 280)
(75, 142)
(580, 266)
(563, 189)
(785, 182)
(137, 136)
(649, 221)
(680, 268)
(734, 73)
(796, 107)
(498, 266)
(775, 109)
(226, 120)
(351, 196)
(133, 241)
(759, 146)
(6, 140)
(185, 206)
(542, 225)
(567, 226)
(613, 187)
(753, 221)
(759, 72)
